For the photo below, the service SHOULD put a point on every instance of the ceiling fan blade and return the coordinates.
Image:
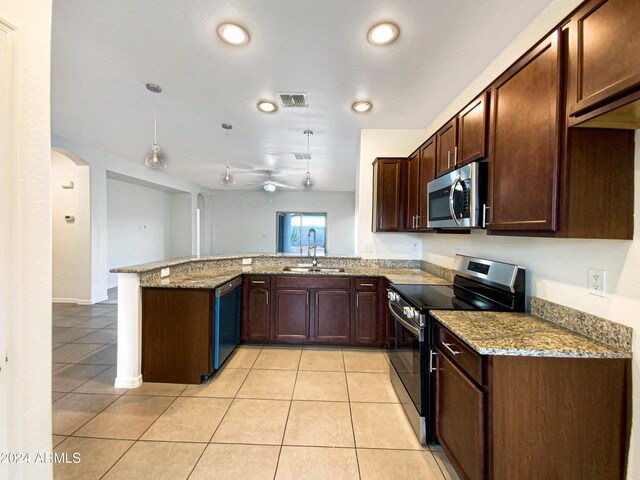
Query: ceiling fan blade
(283, 185)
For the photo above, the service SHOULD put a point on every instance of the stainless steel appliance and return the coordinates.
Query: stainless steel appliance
(458, 199)
(226, 327)
(479, 284)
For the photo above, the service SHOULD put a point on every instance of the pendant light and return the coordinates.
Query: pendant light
(308, 183)
(227, 179)
(155, 158)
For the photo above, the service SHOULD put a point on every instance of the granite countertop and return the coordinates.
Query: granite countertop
(521, 334)
(219, 276)
(148, 267)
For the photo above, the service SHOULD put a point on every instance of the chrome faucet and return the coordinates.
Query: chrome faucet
(315, 247)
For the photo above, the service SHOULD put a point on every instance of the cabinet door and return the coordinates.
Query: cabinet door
(446, 147)
(332, 316)
(604, 53)
(525, 132)
(389, 209)
(366, 318)
(258, 314)
(472, 131)
(460, 418)
(413, 192)
(291, 321)
(427, 173)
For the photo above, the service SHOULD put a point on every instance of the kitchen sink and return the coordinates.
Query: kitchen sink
(313, 269)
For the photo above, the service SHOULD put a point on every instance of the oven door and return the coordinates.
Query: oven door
(406, 353)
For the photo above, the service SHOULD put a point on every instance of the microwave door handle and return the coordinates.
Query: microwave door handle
(451, 192)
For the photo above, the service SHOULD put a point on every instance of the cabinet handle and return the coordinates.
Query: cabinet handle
(366, 284)
(431, 367)
(380, 222)
(455, 157)
(307, 299)
(484, 215)
(448, 158)
(357, 301)
(257, 281)
(451, 350)
(417, 221)
(267, 298)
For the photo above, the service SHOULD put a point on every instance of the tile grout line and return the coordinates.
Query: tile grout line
(284, 432)
(353, 428)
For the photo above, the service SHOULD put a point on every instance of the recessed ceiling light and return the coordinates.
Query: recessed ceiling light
(361, 107)
(233, 34)
(266, 106)
(383, 33)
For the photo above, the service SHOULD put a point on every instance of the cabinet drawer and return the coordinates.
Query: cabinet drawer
(304, 281)
(462, 355)
(260, 281)
(367, 283)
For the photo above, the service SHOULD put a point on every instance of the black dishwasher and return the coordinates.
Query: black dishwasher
(226, 327)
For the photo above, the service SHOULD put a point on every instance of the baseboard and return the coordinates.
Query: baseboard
(128, 382)
(77, 301)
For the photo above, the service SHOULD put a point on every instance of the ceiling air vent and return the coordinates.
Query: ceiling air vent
(302, 156)
(292, 100)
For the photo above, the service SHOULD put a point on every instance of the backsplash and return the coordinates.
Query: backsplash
(432, 268)
(592, 326)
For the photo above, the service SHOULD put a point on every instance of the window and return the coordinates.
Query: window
(293, 231)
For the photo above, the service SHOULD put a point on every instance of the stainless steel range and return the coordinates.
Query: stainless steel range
(479, 284)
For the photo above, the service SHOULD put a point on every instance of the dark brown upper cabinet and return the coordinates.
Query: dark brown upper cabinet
(388, 194)
(464, 138)
(446, 147)
(525, 135)
(427, 173)
(421, 170)
(604, 64)
(472, 131)
(413, 192)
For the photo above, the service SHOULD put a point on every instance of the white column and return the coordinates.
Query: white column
(129, 366)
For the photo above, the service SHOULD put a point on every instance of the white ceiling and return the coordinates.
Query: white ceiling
(105, 51)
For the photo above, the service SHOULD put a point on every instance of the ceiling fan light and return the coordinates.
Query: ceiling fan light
(227, 178)
(155, 158)
(307, 183)
(269, 187)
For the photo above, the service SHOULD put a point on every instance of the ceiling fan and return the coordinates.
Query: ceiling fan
(269, 184)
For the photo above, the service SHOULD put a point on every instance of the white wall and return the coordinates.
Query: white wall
(183, 226)
(25, 235)
(102, 162)
(138, 225)
(71, 241)
(245, 221)
(382, 143)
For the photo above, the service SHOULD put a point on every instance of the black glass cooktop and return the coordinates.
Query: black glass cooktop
(431, 297)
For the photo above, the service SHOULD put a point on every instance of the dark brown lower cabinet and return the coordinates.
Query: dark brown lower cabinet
(366, 318)
(332, 315)
(258, 319)
(177, 341)
(314, 309)
(291, 319)
(506, 417)
(460, 417)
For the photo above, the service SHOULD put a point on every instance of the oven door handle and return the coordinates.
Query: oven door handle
(413, 329)
(451, 192)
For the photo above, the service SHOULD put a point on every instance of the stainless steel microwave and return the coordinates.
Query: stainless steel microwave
(457, 199)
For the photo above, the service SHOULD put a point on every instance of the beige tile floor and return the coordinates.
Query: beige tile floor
(271, 413)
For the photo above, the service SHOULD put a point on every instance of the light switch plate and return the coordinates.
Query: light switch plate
(367, 247)
(246, 261)
(597, 281)
(165, 272)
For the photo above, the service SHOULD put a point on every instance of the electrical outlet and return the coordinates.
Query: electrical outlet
(165, 272)
(367, 247)
(413, 247)
(596, 281)
(246, 261)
